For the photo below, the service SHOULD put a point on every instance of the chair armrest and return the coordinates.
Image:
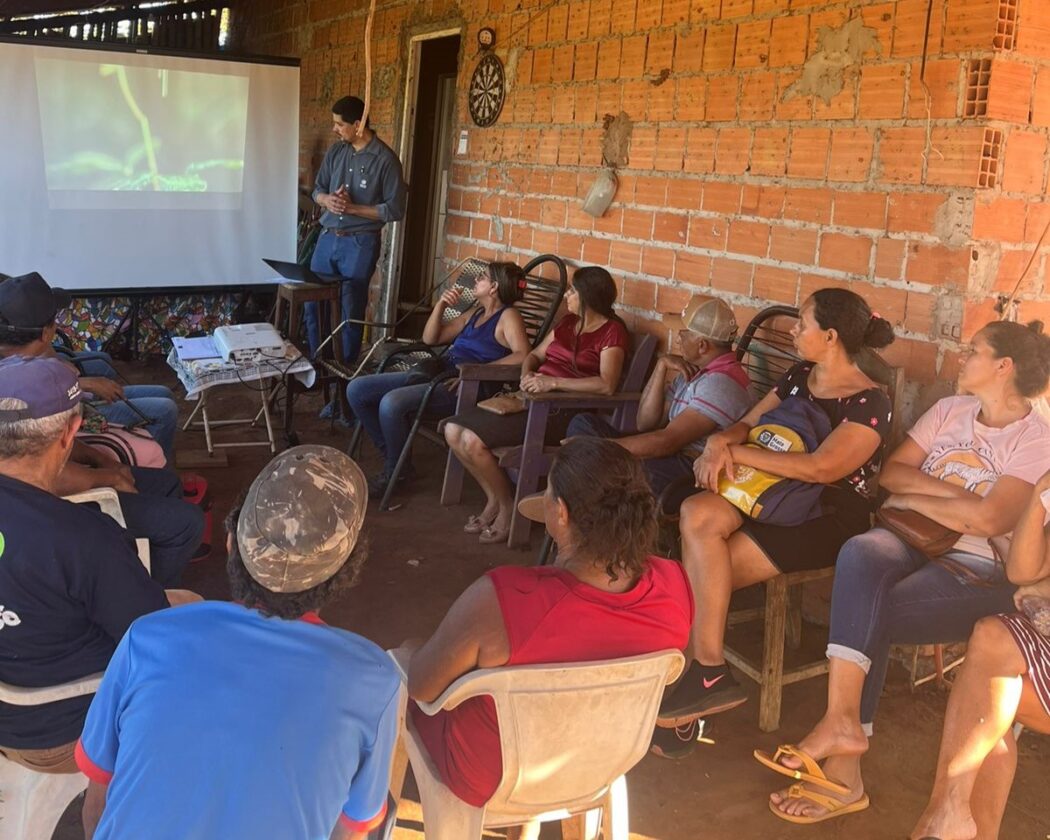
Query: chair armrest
(413, 347)
(21, 696)
(460, 690)
(578, 400)
(402, 656)
(489, 373)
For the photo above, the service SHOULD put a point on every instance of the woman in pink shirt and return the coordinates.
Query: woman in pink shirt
(969, 464)
(605, 597)
(583, 353)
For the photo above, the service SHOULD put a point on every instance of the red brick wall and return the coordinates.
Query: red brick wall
(777, 145)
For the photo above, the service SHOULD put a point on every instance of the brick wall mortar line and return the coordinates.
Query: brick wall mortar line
(767, 262)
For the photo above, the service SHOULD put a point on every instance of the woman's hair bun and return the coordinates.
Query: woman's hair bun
(878, 333)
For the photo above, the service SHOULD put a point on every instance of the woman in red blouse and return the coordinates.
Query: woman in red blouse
(584, 353)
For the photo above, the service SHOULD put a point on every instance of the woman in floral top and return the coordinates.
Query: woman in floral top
(723, 549)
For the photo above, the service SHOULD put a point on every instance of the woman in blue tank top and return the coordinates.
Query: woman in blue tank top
(491, 331)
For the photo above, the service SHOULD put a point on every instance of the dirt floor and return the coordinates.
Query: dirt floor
(420, 561)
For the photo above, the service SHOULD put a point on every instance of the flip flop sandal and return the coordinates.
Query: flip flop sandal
(474, 525)
(835, 807)
(811, 771)
(490, 536)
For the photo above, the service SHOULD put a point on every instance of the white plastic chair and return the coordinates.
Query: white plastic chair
(32, 803)
(109, 502)
(568, 734)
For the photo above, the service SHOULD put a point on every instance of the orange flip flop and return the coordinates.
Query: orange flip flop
(835, 807)
(811, 770)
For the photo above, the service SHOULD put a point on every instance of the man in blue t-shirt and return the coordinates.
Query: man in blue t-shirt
(253, 719)
(70, 580)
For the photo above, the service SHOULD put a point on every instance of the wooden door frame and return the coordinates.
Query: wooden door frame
(404, 152)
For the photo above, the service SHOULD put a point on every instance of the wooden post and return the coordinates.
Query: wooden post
(529, 471)
(773, 654)
(793, 628)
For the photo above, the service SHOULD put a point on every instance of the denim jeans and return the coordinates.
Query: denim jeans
(156, 402)
(385, 404)
(888, 593)
(660, 472)
(95, 363)
(173, 527)
(353, 258)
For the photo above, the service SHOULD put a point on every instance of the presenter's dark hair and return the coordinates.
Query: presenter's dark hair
(349, 109)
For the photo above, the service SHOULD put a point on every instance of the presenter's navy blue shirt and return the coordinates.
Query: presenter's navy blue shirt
(70, 585)
(372, 176)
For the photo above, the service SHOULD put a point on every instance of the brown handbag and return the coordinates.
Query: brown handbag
(918, 531)
(512, 403)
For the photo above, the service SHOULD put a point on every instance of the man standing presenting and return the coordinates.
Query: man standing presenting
(360, 187)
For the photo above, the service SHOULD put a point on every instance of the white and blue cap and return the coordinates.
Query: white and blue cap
(32, 388)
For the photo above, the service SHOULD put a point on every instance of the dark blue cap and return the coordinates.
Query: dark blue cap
(28, 302)
(39, 387)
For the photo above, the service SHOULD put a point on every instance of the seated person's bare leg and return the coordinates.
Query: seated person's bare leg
(483, 466)
(977, 758)
(718, 561)
(837, 737)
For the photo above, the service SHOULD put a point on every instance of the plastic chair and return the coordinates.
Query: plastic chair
(32, 803)
(557, 762)
(109, 503)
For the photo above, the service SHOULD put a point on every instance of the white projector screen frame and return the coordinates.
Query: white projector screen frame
(94, 200)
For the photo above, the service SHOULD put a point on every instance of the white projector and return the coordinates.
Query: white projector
(246, 344)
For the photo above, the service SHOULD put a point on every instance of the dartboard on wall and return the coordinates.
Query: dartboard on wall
(487, 89)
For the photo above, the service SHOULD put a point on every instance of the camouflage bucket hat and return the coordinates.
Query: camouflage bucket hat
(301, 518)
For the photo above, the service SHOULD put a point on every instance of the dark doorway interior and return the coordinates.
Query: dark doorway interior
(432, 129)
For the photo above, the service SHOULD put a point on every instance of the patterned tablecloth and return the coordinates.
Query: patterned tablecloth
(198, 375)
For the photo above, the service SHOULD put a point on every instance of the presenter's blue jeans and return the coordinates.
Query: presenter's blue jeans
(386, 403)
(158, 513)
(888, 593)
(354, 258)
(155, 401)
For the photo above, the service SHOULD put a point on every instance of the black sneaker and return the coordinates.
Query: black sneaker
(377, 484)
(676, 742)
(703, 691)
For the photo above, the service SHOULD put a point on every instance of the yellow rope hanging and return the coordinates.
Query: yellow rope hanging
(368, 67)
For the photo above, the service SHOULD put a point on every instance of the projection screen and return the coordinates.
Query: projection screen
(134, 170)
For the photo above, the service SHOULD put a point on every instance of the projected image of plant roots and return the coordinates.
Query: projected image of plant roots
(116, 127)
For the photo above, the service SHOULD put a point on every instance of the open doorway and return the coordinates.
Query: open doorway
(429, 126)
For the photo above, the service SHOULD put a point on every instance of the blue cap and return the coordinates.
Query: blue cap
(39, 386)
(28, 303)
